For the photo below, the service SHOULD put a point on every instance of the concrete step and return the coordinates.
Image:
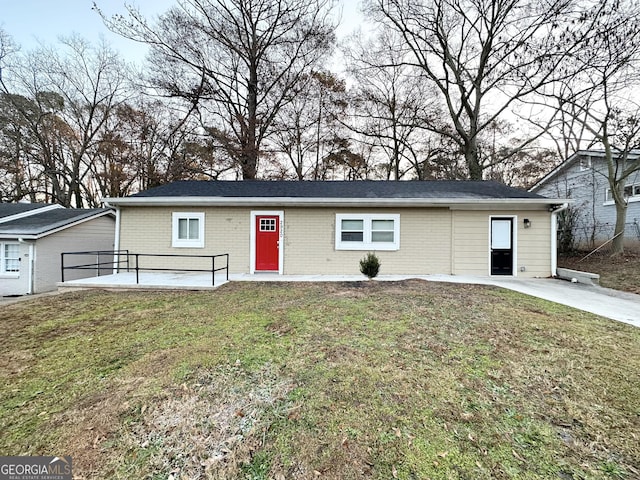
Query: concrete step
(576, 276)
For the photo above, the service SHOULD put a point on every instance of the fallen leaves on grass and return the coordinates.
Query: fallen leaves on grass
(388, 378)
(209, 427)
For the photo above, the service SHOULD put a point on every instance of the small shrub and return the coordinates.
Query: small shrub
(370, 265)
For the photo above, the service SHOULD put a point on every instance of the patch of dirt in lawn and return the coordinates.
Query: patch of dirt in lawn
(206, 427)
(13, 363)
(619, 272)
(401, 287)
(279, 327)
(94, 421)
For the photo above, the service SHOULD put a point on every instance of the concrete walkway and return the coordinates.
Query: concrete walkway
(613, 304)
(25, 298)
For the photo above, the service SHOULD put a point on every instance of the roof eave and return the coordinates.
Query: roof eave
(17, 236)
(634, 154)
(54, 228)
(322, 202)
(563, 166)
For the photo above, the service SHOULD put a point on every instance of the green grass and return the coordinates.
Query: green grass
(373, 379)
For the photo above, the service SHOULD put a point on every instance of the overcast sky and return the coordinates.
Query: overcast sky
(31, 21)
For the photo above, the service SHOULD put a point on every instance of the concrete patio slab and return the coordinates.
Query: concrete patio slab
(147, 280)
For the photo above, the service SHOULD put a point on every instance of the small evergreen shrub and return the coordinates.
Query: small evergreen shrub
(370, 265)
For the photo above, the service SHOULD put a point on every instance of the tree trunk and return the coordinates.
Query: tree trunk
(471, 158)
(617, 246)
(249, 158)
(249, 164)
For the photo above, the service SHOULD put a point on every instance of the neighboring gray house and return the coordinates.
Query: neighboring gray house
(583, 178)
(33, 235)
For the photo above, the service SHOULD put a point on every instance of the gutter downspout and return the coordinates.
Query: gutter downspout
(116, 239)
(31, 267)
(116, 243)
(554, 238)
(30, 264)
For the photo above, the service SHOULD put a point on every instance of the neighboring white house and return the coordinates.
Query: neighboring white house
(583, 178)
(33, 235)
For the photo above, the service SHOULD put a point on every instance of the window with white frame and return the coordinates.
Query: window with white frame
(188, 230)
(608, 196)
(375, 231)
(9, 258)
(585, 163)
(631, 193)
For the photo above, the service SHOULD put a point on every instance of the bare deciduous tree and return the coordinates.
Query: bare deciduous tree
(390, 104)
(18, 178)
(7, 47)
(238, 61)
(19, 175)
(149, 143)
(306, 127)
(484, 56)
(64, 99)
(598, 103)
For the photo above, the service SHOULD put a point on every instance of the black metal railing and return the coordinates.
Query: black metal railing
(119, 260)
(213, 268)
(125, 260)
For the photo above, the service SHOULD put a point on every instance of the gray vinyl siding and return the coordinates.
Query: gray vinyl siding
(96, 234)
(595, 218)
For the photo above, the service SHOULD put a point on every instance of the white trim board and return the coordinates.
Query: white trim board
(252, 238)
(514, 246)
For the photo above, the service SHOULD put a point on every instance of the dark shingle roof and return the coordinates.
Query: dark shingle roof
(40, 223)
(8, 209)
(440, 189)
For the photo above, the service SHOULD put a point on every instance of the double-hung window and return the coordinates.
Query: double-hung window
(631, 193)
(374, 231)
(9, 258)
(188, 230)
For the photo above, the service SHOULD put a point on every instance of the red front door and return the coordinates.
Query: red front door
(267, 242)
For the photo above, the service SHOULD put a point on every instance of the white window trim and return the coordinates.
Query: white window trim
(367, 244)
(630, 199)
(181, 243)
(3, 272)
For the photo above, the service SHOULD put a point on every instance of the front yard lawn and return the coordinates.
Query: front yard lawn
(409, 380)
